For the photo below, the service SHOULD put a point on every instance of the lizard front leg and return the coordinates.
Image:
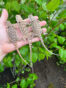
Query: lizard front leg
(13, 37)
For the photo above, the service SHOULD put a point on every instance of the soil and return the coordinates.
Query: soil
(49, 75)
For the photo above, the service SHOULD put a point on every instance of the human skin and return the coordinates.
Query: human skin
(5, 46)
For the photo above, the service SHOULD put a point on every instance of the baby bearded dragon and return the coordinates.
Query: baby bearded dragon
(36, 28)
(13, 37)
(30, 36)
(26, 34)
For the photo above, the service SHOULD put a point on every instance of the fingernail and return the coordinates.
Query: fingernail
(3, 10)
(45, 22)
(44, 30)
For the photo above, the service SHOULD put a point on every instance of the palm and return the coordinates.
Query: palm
(5, 46)
(3, 34)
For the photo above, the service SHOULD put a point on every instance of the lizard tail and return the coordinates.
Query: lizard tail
(30, 46)
(21, 56)
(46, 47)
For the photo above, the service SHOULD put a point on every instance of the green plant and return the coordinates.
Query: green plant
(53, 11)
(24, 82)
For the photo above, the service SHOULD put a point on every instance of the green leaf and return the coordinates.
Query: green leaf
(17, 61)
(56, 29)
(61, 39)
(47, 54)
(12, 6)
(54, 23)
(62, 54)
(43, 14)
(24, 50)
(33, 76)
(1, 67)
(23, 1)
(53, 45)
(44, 6)
(14, 86)
(31, 86)
(37, 43)
(41, 50)
(23, 83)
(15, 6)
(34, 57)
(62, 14)
(17, 71)
(27, 69)
(51, 38)
(17, 79)
(58, 47)
(29, 80)
(65, 25)
(53, 4)
(34, 49)
(41, 56)
(8, 6)
(38, 2)
(8, 85)
(27, 9)
(61, 1)
(62, 26)
(8, 61)
(23, 72)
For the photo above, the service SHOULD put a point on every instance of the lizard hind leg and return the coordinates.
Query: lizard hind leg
(46, 47)
(20, 55)
(31, 64)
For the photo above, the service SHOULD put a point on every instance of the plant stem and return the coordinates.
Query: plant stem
(19, 1)
(60, 21)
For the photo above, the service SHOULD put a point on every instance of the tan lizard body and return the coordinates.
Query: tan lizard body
(36, 28)
(26, 34)
(13, 37)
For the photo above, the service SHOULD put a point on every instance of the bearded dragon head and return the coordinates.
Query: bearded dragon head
(31, 17)
(18, 18)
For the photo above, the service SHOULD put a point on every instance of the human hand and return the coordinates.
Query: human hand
(5, 46)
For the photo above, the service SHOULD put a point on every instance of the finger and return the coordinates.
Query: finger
(10, 47)
(2, 56)
(28, 20)
(4, 15)
(42, 23)
(44, 30)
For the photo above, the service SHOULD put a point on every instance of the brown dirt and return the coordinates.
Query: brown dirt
(48, 72)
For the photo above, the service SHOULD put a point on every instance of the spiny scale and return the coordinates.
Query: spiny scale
(13, 37)
(11, 33)
(21, 24)
(36, 28)
(26, 34)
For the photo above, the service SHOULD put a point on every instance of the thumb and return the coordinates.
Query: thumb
(1, 57)
(4, 15)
